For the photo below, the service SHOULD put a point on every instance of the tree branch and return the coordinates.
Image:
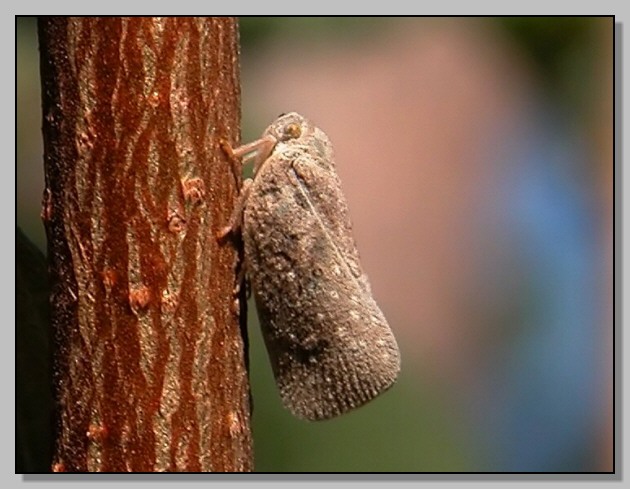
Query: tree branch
(150, 370)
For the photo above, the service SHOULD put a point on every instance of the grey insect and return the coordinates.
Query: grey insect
(329, 344)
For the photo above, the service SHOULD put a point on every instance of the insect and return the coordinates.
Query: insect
(329, 344)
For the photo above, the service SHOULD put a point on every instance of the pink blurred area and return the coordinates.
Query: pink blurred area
(425, 122)
(412, 120)
(482, 212)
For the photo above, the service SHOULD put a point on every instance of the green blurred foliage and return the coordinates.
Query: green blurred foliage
(256, 32)
(412, 427)
(409, 428)
(29, 144)
(564, 51)
(33, 360)
(562, 48)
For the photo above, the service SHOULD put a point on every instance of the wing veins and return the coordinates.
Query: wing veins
(336, 249)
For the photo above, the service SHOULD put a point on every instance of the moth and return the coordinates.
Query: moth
(329, 344)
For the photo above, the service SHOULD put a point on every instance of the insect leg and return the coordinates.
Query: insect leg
(258, 150)
(236, 219)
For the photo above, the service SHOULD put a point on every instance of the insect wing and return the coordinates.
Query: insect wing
(330, 346)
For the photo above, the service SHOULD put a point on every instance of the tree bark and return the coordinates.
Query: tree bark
(150, 361)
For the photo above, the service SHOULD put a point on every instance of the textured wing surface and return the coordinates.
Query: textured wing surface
(330, 346)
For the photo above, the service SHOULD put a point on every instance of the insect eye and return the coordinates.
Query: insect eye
(292, 131)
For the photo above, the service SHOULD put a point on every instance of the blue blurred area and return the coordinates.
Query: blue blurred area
(505, 367)
(538, 406)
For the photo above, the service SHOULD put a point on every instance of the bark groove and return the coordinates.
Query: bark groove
(150, 361)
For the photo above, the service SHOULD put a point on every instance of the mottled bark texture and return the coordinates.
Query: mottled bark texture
(150, 363)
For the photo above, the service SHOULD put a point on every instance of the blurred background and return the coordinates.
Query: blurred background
(476, 157)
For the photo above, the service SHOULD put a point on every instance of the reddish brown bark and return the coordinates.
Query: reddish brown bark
(150, 368)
